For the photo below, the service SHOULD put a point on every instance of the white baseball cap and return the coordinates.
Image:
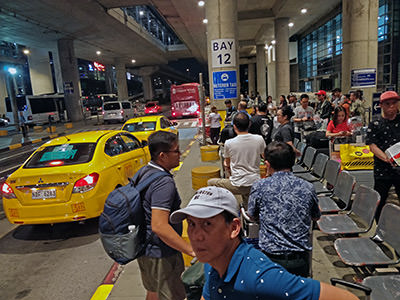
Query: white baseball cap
(206, 203)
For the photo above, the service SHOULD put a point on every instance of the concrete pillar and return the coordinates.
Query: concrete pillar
(148, 93)
(40, 71)
(145, 73)
(271, 82)
(109, 79)
(282, 68)
(251, 73)
(70, 75)
(122, 85)
(360, 40)
(57, 72)
(261, 71)
(222, 31)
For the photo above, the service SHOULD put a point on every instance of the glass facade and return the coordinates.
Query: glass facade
(319, 52)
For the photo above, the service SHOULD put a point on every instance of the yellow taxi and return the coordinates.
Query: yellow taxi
(142, 127)
(69, 178)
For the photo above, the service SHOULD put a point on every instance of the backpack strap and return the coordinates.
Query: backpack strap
(145, 183)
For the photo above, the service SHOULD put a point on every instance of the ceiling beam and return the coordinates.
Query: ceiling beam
(255, 14)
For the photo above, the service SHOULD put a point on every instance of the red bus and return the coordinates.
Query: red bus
(185, 100)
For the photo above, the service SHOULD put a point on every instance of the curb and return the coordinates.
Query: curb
(19, 145)
(104, 289)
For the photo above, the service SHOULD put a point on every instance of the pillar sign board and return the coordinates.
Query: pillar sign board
(363, 78)
(225, 85)
(223, 53)
(376, 108)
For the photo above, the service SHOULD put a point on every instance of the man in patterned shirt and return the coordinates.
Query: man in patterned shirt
(285, 206)
(382, 134)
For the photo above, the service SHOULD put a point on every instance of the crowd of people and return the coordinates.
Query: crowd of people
(284, 205)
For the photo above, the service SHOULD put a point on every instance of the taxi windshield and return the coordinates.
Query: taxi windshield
(58, 155)
(140, 126)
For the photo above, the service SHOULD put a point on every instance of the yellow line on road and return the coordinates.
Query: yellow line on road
(178, 167)
(102, 292)
(36, 141)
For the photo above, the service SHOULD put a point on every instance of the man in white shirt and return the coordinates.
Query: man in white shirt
(242, 156)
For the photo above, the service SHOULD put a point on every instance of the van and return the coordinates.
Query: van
(119, 111)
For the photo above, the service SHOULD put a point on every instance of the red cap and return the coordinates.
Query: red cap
(321, 92)
(389, 95)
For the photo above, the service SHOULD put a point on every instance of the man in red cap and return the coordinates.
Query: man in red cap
(382, 134)
(324, 106)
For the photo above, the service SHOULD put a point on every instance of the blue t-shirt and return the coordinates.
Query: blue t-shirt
(285, 205)
(252, 275)
(161, 194)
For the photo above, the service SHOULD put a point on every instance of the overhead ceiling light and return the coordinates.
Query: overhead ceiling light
(141, 12)
(291, 24)
(205, 21)
(133, 61)
(98, 52)
(273, 42)
(201, 3)
(26, 51)
(303, 10)
(12, 70)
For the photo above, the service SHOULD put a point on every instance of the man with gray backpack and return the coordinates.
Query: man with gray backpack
(160, 262)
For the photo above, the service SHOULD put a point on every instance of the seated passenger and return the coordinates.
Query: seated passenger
(285, 206)
(235, 269)
(338, 126)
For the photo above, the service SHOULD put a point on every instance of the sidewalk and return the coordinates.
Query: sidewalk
(325, 262)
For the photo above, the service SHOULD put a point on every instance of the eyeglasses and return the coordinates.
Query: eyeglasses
(176, 151)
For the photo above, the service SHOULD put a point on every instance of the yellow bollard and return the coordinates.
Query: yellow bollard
(37, 128)
(3, 132)
(200, 175)
(51, 129)
(209, 152)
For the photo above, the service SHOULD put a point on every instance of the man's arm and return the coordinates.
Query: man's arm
(379, 153)
(330, 292)
(161, 227)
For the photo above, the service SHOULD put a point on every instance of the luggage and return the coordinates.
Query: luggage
(193, 279)
(122, 225)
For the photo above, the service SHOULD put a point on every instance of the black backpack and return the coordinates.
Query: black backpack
(122, 224)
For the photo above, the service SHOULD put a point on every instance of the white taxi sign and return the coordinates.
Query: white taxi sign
(223, 53)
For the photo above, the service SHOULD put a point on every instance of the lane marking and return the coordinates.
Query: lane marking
(36, 141)
(18, 154)
(5, 171)
(186, 124)
(178, 167)
(194, 124)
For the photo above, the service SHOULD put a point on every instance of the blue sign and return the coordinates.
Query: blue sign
(225, 85)
(362, 78)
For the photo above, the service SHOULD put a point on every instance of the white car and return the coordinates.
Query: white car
(119, 111)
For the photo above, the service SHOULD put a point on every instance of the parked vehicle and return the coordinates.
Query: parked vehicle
(117, 111)
(3, 122)
(69, 178)
(142, 127)
(185, 100)
(38, 109)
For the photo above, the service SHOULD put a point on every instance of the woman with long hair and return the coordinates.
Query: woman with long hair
(338, 126)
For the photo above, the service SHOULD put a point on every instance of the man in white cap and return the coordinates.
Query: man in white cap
(382, 134)
(235, 269)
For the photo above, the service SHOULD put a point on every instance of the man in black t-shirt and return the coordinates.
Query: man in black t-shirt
(230, 110)
(382, 134)
(261, 123)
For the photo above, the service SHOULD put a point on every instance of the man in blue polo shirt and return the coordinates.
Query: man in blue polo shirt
(234, 269)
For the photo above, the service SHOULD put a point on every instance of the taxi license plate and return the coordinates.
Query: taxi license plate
(112, 115)
(44, 194)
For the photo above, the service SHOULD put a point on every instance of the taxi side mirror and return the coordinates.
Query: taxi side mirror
(144, 143)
